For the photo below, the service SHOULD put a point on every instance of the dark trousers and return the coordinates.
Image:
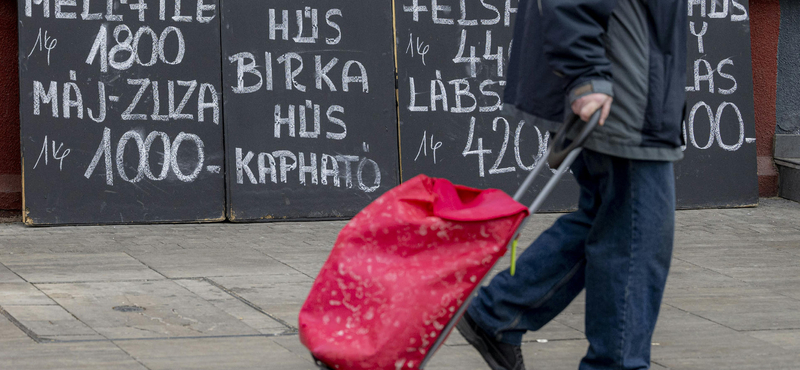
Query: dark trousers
(617, 245)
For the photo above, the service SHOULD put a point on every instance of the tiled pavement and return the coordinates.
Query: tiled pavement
(226, 296)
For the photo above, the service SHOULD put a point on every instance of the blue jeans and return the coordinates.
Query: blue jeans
(618, 245)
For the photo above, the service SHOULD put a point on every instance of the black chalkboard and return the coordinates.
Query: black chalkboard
(121, 111)
(310, 113)
(448, 47)
(452, 57)
(720, 164)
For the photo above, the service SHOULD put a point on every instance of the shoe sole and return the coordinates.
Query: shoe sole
(476, 341)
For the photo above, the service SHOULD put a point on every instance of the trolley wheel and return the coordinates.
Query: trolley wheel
(321, 364)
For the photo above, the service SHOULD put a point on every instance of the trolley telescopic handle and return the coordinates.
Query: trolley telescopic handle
(558, 156)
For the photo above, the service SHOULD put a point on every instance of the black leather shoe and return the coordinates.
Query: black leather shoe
(499, 355)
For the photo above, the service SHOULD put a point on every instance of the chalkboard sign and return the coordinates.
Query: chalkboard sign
(720, 164)
(310, 113)
(452, 59)
(121, 111)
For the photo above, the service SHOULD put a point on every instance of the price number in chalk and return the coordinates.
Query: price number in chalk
(170, 163)
(127, 49)
(715, 126)
(481, 152)
(473, 61)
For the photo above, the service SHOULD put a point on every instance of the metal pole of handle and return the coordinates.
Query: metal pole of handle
(548, 188)
(532, 176)
(537, 203)
(551, 184)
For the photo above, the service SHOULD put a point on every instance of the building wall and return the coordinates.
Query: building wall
(788, 94)
(765, 20)
(10, 168)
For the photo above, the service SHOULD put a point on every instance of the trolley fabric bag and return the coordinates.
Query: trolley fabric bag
(401, 269)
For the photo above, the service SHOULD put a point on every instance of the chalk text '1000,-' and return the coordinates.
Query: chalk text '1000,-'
(170, 162)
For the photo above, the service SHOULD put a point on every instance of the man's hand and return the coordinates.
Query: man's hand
(587, 105)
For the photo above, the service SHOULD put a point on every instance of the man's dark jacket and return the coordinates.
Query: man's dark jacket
(633, 50)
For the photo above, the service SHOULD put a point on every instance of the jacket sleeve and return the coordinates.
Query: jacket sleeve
(574, 44)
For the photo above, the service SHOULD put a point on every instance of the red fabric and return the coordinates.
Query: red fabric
(401, 269)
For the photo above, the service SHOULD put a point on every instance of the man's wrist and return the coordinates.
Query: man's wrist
(591, 87)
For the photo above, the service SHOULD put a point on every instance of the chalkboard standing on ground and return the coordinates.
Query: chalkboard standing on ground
(121, 111)
(310, 113)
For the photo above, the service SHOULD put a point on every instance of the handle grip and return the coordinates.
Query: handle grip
(558, 150)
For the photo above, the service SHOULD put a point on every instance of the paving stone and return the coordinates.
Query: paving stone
(22, 294)
(244, 353)
(11, 335)
(779, 362)
(789, 289)
(234, 307)
(310, 269)
(49, 321)
(792, 247)
(681, 334)
(169, 310)
(216, 262)
(43, 267)
(279, 295)
(7, 276)
(457, 358)
(740, 308)
(68, 356)
(572, 320)
(552, 331)
(555, 355)
(685, 275)
(786, 339)
(292, 344)
(749, 263)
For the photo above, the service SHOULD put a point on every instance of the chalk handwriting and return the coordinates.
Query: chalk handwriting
(205, 12)
(423, 147)
(715, 124)
(306, 25)
(418, 48)
(262, 76)
(43, 154)
(186, 170)
(706, 77)
(482, 152)
(207, 98)
(440, 14)
(129, 46)
(44, 42)
(718, 9)
(275, 167)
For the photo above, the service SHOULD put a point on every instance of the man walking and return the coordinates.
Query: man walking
(628, 58)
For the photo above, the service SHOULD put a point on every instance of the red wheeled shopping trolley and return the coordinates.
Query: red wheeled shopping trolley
(405, 268)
